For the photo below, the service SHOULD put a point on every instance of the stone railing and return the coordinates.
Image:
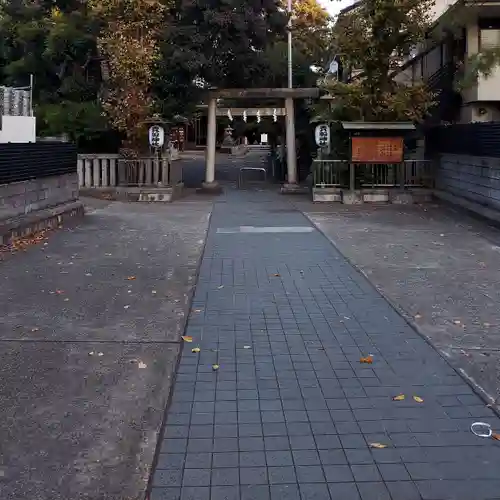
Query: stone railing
(96, 171)
(108, 170)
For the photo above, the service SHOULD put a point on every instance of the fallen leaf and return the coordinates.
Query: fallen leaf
(399, 398)
(215, 367)
(366, 359)
(379, 446)
(418, 399)
(496, 436)
(142, 365)
(187, 338)
(196, 350)
(131, 278)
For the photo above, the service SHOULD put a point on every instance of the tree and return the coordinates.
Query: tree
(311, 40)
(211, 43)
(54, 41)
(374, 38)
(311, 28)
(128, 43)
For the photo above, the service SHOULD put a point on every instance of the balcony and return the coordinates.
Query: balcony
(448, 100)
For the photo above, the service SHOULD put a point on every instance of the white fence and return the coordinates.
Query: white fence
(108, 170)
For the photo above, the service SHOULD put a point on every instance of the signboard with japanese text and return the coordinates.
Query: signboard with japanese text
(377, 149)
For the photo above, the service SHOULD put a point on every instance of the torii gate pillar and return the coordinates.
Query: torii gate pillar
(211, 139)
(288, 95)
(291, 151)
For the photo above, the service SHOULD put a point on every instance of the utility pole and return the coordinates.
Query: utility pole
(291, 154)
(290, 56)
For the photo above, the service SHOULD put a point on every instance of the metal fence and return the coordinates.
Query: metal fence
(22, 162)
(336, 173)
(473, 139)
(330, 173)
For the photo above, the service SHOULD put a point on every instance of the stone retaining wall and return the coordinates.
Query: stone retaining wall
(474, 178)
(22, 198)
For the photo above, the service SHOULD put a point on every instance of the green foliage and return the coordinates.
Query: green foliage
(236, 44)
(80, 120)
(312, 33)
(374, 39)
(230, 43)
(56, 42)
(208, 44)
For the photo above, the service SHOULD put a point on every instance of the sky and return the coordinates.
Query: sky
(333, 6)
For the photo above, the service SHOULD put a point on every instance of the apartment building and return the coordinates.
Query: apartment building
(461, 30)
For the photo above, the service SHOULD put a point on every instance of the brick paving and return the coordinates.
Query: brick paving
(291, 412)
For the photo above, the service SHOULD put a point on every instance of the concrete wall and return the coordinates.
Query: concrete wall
(21, 198)
(474, 178)
(18, 129)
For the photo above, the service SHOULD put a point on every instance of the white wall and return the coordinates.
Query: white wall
(440, 7)
(18, 129)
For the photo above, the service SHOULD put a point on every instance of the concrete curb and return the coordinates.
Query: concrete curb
(35, 222)
(176, 367)
(474, 208)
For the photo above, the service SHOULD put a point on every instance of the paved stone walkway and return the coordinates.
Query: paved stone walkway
(291, 412)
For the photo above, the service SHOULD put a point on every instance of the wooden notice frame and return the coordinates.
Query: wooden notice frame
(377, 149)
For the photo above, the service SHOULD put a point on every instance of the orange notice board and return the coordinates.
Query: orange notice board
(377, 149)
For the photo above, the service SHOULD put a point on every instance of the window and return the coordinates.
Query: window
(489, 33)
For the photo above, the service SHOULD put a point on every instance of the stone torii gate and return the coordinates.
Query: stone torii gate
(259, 94)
